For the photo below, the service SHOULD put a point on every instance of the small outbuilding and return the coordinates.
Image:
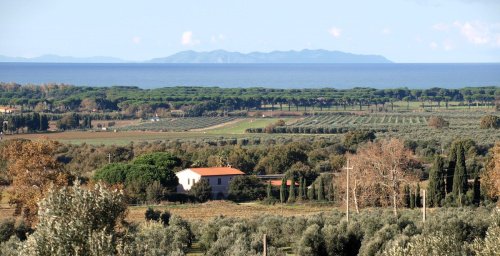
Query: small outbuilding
(218, 178)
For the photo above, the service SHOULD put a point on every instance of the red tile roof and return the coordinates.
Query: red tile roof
(217, 171)
(278, 183)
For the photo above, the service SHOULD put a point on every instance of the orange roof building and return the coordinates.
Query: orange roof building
(218, 178)
(277, 183)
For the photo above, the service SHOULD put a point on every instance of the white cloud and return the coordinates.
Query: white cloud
(335, 32)
(448, 45)
(475, 32)
(136, 40)
(188, 39)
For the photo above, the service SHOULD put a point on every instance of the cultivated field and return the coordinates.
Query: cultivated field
(213, 209)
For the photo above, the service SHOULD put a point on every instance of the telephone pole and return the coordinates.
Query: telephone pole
(109, 158)
(347, 168)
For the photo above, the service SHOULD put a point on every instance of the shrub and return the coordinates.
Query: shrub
(6, 230)
(152, 214)
(437, 122)
(490, 121)
(245, 188)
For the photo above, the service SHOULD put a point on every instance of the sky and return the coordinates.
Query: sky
(406, 31)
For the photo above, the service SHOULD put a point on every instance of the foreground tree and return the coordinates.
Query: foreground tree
(77, 221)
(32, 167)
(460, 174)
(490, 121)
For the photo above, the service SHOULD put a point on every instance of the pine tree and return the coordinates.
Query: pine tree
(301, 189)
(291, 197)
(460, 174)
(283, 191)
(418, 199)
(321, 190)
(407, 196)
(269, 190)
(436, 188)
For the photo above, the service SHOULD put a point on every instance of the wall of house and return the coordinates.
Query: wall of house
(187, 178)
(219, 184)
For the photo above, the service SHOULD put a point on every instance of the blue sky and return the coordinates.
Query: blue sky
(401, 30)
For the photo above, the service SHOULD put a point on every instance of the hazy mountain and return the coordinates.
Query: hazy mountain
(304, 56)
(50, 58)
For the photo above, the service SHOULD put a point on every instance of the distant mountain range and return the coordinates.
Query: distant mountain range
(221, 56)
(304, 56)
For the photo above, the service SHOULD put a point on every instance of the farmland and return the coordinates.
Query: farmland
(178, 124)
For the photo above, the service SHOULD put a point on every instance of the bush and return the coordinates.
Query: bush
(152, 214)
(490, 121)
(6, 230)
(245, 188)
(437, 122)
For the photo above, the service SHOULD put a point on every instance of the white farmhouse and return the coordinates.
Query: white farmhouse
(218, 177)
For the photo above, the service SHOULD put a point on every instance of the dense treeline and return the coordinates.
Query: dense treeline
(197, 101)
(33, 122)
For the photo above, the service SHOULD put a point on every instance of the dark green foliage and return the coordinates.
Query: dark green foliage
(476, 198)
(436, 187)
(201, 191)
(418, 199)
(113, 173)
(321, 189)
(291, 194)
(165, 217)
(330, 195)
(6, 230)
(163, 164)
(304, 187)
(407, 196)
(311, 193)
(283, 191)
(460, 174)
(301, 189)
(354, 138)
(152, 214)
(412, 200)
(245, 188)
(269, 191)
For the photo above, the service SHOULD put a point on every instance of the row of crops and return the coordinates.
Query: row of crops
(178, 124)
(349, 120)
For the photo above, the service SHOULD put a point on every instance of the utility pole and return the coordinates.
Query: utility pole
(109, 158)
(347, 168)
(423, 207)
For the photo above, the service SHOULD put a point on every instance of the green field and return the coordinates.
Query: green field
(241, 125)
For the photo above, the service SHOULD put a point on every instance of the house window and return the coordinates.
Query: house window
(189, 182)
(219, 181)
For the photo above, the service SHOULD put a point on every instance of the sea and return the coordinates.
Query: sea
(340, 76)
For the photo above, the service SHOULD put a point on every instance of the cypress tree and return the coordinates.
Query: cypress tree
(291, 197)
(476, 198)
(304, 187)
(407, 196)
(331, 192)
(460, 174)
(451, 166)
(412, 200)
(301, 189)
(269, 190)
(283, 190)
(436, 188)
(311, 193)
(418, 199)
(321, 190)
